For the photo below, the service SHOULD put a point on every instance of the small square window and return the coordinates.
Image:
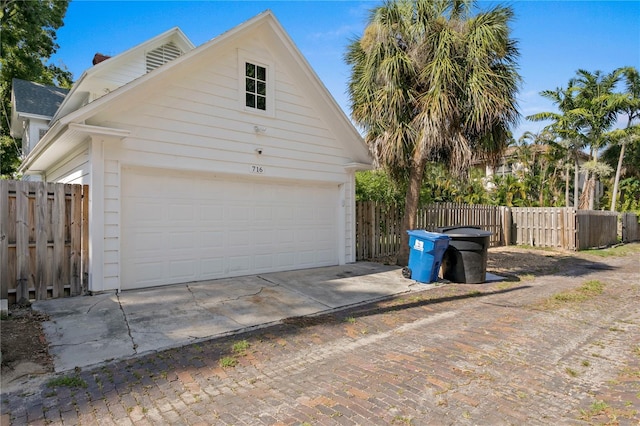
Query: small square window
(255, 86)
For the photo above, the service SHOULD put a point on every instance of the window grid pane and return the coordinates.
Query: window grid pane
(255, 86)
(251, 100)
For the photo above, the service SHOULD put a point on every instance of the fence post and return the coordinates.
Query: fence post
(4, 239)
(85, 239)
(506, 225)
(22, 241)
(41, 241)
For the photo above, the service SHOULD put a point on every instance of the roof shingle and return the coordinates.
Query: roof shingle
(37, 99)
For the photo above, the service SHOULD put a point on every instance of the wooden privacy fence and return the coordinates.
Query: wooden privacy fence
(44, 237)
(379, 225)
(563, 227)
(630, 228)
(544, 227)
(596, 228)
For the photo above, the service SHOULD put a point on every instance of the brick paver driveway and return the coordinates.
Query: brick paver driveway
(505, 353)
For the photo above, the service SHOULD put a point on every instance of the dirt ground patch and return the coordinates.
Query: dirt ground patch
(23, 344)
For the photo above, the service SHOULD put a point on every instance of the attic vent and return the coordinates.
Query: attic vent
(162, 55)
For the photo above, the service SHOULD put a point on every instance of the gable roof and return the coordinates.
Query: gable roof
(87, 81)
(33, 100)
(342, 126)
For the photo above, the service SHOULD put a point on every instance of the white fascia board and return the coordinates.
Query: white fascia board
(37, 150)
(98, 130)
(34, 116)
(60, 139)
(69, 96)
(358, 166)
(21, 118)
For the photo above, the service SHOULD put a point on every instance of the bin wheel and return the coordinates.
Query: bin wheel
(406, 272)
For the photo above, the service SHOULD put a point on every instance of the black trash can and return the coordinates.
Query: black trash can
(465, 260)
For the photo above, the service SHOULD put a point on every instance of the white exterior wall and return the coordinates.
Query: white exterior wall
(111, 259)
(74, 168)
(196, 121)
(31, 134)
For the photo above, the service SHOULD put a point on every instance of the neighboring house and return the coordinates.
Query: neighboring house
(224, 160)
(511, 164)
(33, 106)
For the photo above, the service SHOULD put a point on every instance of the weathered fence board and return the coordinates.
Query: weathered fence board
(43, 240)
(544, 227)
(378, 226)
(596, 228)
(4, 241)
(630, 228)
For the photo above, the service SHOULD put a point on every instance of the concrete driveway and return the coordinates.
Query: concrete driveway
(91, 330)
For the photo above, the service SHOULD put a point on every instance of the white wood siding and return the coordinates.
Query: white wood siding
(112, 207)
(350, 213)
(195, 123)
(73, 168)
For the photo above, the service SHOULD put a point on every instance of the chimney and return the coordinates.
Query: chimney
(99, 57)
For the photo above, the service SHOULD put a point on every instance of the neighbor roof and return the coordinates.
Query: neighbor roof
(37, 99)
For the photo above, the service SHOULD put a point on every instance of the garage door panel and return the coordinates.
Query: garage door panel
(200, 228)
(182, 269)
(182, 240)
(211, 239)
(181, 212)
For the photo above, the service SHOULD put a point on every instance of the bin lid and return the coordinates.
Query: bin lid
(426, 235)
(464, 231)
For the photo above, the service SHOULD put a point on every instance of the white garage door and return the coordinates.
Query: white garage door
(179, 227)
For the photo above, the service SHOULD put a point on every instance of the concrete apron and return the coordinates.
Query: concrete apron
(90, 330)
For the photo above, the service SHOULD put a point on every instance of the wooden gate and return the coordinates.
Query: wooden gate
(44, 233)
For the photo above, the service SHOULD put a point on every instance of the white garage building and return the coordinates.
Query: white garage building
(223, 160)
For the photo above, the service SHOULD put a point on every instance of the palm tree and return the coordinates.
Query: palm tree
(597, 111)
(431, 81)
(629, 104)
(566, 126)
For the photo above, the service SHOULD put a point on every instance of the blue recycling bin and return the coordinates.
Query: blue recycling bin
(425, 254)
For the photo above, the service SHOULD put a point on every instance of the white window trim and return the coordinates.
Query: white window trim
(244, 57)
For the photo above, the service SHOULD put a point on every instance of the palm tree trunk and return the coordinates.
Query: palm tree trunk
(411, 202)
(576, 180)
(616, 181)
(592, 192)
(566, 187)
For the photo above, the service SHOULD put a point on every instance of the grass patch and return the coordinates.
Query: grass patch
(505, 285)
(613, 414)
(617, 251)
(240, 347)
(67, 382)
(350, 320)
(228, 362)
(598, 407)
(571, 372)
(581, 294)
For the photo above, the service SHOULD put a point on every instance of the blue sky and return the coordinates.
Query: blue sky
(556, 38)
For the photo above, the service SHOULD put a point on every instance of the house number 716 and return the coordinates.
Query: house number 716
(257, 169)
